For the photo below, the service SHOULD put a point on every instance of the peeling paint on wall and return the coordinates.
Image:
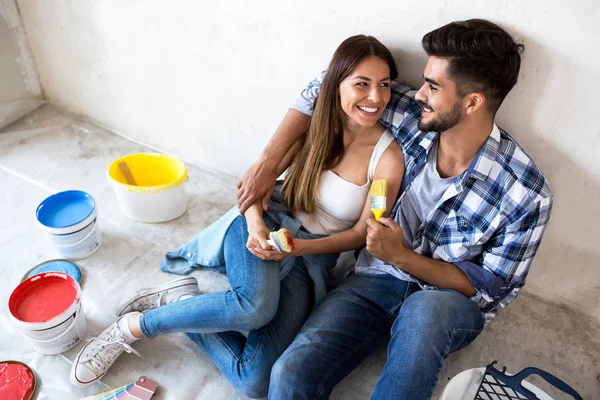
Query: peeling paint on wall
(10, 13)
(27, 63)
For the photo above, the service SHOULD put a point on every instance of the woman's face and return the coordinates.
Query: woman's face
(365, 92)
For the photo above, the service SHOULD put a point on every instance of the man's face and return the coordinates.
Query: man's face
(442, 107)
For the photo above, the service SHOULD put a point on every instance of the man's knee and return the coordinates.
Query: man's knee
(431, 309)
(254, 386)
(436, 315)
(282, 370)
(286, 376)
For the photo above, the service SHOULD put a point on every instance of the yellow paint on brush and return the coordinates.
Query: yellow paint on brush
(378, 193)
(152, 172)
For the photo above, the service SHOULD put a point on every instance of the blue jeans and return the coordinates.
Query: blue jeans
(348, 326)
(272, 310)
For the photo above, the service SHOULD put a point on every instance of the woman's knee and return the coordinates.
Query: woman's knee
(258, 309)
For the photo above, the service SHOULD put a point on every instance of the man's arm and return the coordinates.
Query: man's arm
(258, 181)
(385, 241)
(437, 273)
(499, 274)
(493, 280)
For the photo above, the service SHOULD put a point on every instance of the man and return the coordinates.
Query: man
(459, 242)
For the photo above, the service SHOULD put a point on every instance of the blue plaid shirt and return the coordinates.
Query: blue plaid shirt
(490, 222)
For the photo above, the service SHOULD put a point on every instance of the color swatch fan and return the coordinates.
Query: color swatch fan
(142, 389)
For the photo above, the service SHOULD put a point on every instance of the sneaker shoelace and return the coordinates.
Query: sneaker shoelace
(148, 303)
(110, 348)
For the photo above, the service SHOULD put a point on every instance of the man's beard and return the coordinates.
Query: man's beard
(444, 121)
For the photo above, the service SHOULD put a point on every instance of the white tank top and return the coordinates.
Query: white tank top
(339, 202)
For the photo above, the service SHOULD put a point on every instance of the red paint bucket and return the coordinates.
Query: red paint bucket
(47, 309)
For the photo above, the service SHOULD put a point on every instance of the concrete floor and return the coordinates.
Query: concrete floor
(50, 150)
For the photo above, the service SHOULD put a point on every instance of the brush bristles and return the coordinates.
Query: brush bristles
(378, 188)
(283, 240)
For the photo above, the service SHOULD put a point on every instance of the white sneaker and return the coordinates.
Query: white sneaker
(146, 299)
(98, 355)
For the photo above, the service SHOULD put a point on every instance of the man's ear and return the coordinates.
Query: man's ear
(474, 102)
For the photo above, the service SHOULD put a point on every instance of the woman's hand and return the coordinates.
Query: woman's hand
(258, 234)
(274, 255)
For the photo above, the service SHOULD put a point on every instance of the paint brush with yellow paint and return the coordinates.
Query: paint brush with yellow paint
(378, 194)
(127, 173)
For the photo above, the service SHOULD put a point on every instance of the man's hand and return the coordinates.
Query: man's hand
(257, 183)
(385, 241)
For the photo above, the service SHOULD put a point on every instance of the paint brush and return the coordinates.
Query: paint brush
(282, 240)
(378, 194)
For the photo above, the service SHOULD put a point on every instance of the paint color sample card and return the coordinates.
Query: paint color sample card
(142, 389)
(110, 394)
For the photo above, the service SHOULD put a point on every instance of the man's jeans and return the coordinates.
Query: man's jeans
(272, 310)
(348, 326)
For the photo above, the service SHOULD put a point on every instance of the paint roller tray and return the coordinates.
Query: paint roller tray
(65, 209)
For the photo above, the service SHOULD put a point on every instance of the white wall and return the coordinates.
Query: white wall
(210, 82)
(20, 89)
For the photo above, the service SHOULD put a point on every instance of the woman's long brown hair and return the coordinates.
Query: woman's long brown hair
(323, 147)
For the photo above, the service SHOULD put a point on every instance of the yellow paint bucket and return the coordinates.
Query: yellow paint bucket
(149, 186)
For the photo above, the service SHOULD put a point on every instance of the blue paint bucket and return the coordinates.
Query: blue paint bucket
(70, 221)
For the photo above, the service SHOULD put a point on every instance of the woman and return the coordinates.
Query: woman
(326, 193)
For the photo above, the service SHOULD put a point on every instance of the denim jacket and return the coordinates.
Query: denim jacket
(206, 249)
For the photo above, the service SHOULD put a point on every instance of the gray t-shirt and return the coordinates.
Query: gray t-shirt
(416, 204)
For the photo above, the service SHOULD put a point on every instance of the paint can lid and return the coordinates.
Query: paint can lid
(25, 384)
(68, 267)
(65, 209)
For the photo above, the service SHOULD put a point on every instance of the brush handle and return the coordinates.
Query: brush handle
(127, 172)
(272, 243)
(377, 213)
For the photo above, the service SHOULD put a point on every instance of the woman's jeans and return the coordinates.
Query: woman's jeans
(354, 319)
(271, 309)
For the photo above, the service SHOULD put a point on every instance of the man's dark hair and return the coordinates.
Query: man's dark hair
(482, 58)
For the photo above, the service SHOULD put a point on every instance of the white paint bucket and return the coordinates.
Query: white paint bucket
(70, 220)
(46, 308)
(157, 193)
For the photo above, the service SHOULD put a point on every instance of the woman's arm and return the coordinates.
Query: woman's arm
(391, 168)
(258, 232)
